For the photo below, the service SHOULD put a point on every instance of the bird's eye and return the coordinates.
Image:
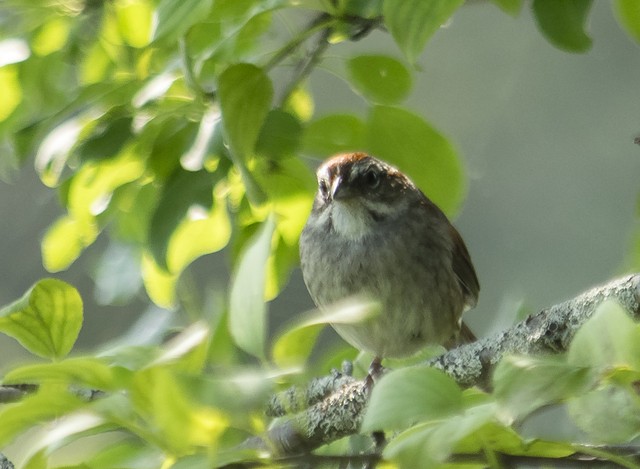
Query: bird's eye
(323, 186)
(372, 178)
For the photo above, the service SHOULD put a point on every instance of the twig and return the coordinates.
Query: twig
(549, 331)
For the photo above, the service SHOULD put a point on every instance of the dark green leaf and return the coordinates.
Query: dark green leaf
(334, 134)
(245, 93)
(46, 320)
(184, 190)
(280, 135)
(379, 78)
(523, 384)
(247, 310)
(411, 395)
(563, 23)
(628, 14)
(413, 22)
(405, 140)
(107, 140)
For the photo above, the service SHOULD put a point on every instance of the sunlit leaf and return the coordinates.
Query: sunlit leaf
(42, 407)
(413, 22)
(405, 140)
(182, 423)
(46, 320)
(294, 345)
(563, 23)
(379, 78)
(11, 91)
(91, 372)
(134, 19)
(159, 284)
(247, 310)
(64, 241)
(628, 14)
(411, 395)
(51, 37)
(335, 133)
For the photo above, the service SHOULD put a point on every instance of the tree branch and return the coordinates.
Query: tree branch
(339, 412)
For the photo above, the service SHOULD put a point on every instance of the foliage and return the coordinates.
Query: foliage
(162, 124)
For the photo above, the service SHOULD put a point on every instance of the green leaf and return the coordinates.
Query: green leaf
(523, 384)
(294, 345)
(500, 438)
(47, 404)
(185, 189)
(628, 14)
(609, 338)
(413, 22)
(610, 414)
(94, 373)
(511, 7)
(280, 135)
(108, 139)
(379, 78)
(335, 133)
(46, 320)
(405, 140)
(245, 93)
(247, 315)
(433, 442)
(64, 241)
(175, 17)
(563, 23)
(411, 395)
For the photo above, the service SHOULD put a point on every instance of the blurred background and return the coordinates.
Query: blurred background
(546, 138)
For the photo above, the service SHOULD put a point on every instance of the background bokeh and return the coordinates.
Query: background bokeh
(546, 138)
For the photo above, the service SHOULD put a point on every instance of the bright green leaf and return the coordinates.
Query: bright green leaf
(247, 309)
(47, 404)
(379, 78)
(405, 140)
(335, 133)
(628, 15)
(135, 18)
(563, 23)
(174, 17)
(93, 373)
(46, 320)
(11, 91)
(413, 22)
(411, 395)
(52, 36)
(245, 93)
(294, 346)
(64, 241)
(523, 384)
(609, 338)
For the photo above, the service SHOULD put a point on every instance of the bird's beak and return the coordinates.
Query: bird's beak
(339, 190)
